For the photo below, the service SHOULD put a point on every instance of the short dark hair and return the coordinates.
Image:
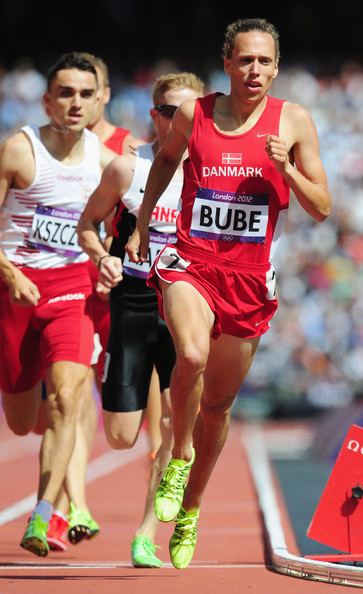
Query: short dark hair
(67, 62)
(244, 26)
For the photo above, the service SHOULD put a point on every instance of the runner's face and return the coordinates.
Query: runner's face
(252, 66)
(71, 99)
(172, 97)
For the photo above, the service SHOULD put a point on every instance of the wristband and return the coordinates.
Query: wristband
(100, 260)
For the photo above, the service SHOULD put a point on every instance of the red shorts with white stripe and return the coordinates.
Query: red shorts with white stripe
(242, 297)
(59, 328)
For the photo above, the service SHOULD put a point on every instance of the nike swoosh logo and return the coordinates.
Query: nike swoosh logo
(261, 135)
(142, 191)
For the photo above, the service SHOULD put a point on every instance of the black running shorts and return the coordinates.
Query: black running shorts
(139, 339)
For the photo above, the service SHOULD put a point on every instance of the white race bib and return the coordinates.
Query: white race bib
(229, 217)
(55, 229)
(142, 269)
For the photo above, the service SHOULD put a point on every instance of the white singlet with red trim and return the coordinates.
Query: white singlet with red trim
(163, 219)
(165, 212)
(38, 224)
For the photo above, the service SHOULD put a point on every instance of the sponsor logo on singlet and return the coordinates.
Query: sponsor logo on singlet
(55, 229)
(231, 166)
(142, 269)
(229, 216)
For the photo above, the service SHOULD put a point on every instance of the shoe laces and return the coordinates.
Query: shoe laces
(173, 480)
(186, 528)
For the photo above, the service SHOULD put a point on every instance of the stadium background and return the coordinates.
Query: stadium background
(311, 360)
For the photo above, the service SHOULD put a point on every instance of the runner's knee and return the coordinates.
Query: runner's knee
(192, 359)
(118, 439)
(215, 411)
(63, 404)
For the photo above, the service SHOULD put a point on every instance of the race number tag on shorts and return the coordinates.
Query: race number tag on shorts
(54, 229)
(170, 260)
(271, 283)
(230, 217)
(142, 269)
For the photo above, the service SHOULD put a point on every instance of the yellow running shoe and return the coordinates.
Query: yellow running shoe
(81, 525)
(184, 538)
(169, 495)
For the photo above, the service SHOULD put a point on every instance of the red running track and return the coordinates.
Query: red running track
(230, 555)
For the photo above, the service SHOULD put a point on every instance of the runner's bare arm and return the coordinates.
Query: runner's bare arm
(161, 172)
(307, 178)
(114, 183)
(14, 156)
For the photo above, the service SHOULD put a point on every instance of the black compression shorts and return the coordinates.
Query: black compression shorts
(139, 339)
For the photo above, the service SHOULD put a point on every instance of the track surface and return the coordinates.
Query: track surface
(230, 555)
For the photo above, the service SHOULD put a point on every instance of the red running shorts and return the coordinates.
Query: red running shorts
(59, 328)
(242, 298)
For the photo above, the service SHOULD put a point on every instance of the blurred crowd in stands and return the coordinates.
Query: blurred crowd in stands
(312, 358)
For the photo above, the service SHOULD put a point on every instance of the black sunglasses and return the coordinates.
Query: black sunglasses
(166, 110)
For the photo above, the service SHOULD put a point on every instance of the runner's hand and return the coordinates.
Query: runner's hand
(110, 274)
(276, 149)
(137, 246)
(23, 291)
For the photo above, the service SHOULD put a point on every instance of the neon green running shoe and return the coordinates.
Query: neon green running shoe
(81, 525)
(35, 536)
(169, 495)
(184, 538)
(143, 552)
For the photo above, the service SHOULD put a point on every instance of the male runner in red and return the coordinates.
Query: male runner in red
(217, 285)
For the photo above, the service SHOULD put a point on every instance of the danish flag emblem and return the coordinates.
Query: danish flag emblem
(231, 158)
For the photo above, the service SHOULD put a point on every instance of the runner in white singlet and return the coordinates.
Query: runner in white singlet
(46, 329)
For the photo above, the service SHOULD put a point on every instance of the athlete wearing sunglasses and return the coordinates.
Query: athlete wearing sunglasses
(166, 110)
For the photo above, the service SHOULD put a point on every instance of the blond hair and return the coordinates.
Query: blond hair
(97, 62)
(180, 80)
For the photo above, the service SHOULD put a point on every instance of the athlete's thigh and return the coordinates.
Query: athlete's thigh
(21, 364)
(230, 359)
(129, 359)
(187, 314)
(66, 332)
(65, 375)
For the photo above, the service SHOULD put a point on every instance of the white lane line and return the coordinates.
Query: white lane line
(124, 565)
(101, 466)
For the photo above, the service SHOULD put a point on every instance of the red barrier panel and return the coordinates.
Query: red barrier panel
(338, 518)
